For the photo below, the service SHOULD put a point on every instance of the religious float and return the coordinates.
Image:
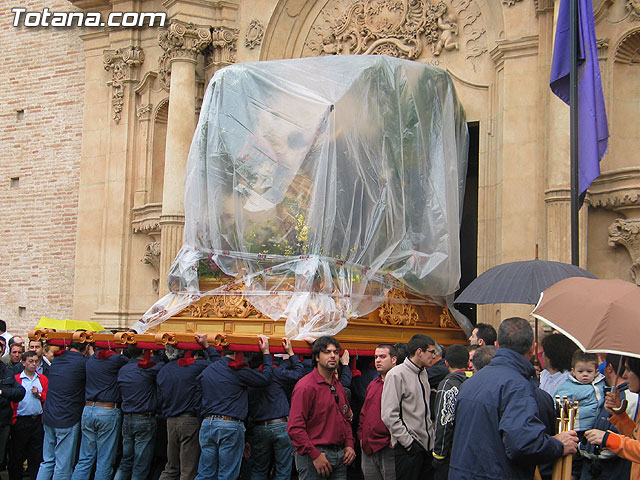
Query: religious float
(323, 196)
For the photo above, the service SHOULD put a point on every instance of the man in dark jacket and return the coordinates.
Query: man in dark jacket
(10, 391)
(62, 413)
(445, 404)
(498, 433)
(269, 412)
(101, 417)
(137, 386)
(180, 399)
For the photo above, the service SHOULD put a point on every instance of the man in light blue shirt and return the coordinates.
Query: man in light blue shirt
(27, 432)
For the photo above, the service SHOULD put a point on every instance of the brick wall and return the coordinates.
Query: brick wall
(41, 74)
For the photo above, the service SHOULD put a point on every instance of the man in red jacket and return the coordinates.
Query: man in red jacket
(375, 440)
(27, 432)
(319, 419)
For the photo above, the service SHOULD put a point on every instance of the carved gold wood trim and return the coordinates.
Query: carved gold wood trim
(223, 306)
(393, 313)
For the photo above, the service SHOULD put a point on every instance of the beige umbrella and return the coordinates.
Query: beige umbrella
(600, 316)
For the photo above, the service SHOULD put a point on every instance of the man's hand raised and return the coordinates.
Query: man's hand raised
(263, 342)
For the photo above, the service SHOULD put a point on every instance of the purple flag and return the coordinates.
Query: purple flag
(593, 133)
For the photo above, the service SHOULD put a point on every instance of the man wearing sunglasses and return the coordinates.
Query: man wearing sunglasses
(319, 419)
(405, 410)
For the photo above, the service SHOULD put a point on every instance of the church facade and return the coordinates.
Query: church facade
(141, 91)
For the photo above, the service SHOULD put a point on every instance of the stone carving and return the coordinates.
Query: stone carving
(626, 232)
(628, 51)
(143, 112)
(123, 64)
(180, 40)
(396, 313)
(510, 3)
(254, 34)
(231, 305)
(152, 257)
(633, 7)
(222, 50)
(475, 42)
(400, 28)
(146, 219)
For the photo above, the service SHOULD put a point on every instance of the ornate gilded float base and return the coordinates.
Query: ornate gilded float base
(240, 322)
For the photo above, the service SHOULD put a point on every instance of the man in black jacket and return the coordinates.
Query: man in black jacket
(445, 407)
(10, 391)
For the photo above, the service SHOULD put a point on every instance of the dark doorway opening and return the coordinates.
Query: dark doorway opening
(469, 227)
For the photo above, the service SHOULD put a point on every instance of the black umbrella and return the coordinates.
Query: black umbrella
(518, 282)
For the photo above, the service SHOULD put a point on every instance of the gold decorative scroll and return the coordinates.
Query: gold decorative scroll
(394, 313)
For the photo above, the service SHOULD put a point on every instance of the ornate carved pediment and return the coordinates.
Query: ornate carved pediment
(626, 232)
(400, 28)
(123, 64)
(396, 313)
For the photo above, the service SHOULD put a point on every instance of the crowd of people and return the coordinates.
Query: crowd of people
(414, 411)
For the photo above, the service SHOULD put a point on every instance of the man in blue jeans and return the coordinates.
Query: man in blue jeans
(137, 384)
(62, 413)
(179, 401)
(101, 416)
(269, 412)
(225, 405)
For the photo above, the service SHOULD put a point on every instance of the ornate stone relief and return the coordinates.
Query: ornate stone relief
(510, 3)
(146, 219)
(626, 232)
(628, 51)
(152, 257)
(222, 50)
(180, 40)
(633, 7)
(123, 64)
(254, 34)
(143, 112)
(400, 28)
(393, 313)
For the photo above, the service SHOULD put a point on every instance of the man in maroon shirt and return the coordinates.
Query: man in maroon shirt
(319, 419)
(377, 455)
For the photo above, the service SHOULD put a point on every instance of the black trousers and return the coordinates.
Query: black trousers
(27, 435)
(413, 466)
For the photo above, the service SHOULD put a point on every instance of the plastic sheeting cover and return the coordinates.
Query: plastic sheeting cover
(321, 183)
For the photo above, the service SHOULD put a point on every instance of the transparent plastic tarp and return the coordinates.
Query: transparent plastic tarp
(320, 184)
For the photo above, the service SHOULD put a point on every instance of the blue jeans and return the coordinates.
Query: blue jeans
(59, 452)
(306, 470)
(138, 442)
(221, 444)
(271, 442)
(100, 434)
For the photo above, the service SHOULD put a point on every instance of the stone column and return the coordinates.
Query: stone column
(182, 43)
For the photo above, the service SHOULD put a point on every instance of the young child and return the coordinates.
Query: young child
(586, 385)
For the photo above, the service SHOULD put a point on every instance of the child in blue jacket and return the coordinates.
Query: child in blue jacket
(586, 385)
